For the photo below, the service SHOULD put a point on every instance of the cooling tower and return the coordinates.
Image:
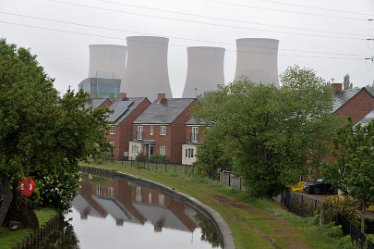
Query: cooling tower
(147, 69)
(204, 70)
(107, 61)
(257, 60)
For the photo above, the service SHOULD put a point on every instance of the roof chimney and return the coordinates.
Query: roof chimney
(337, 87)
(161, 98)
(123, 96)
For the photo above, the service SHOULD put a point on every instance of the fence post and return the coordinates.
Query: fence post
(229, 179)
(240, 183)
(301, 204)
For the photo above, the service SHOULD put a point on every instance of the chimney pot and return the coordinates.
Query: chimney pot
(123, 96)
(160, 96)
(337, 87)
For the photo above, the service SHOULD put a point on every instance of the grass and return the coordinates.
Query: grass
(254, 223)
(10, 239)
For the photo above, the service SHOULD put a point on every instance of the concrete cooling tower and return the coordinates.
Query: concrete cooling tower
(204, 70)
(107, 61)
(257, 60)
(147, 69)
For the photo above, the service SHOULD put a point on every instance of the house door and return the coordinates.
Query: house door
(151, 150)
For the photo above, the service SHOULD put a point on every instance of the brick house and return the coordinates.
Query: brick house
(160, 129)
(355, 103)
(98, 103)
(125, 111)
(193, 139)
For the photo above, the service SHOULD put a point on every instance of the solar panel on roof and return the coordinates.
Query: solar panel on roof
(118, 108)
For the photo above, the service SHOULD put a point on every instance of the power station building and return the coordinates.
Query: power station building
(257, 60)
(107, 66)
(205, 70)
(147, 68)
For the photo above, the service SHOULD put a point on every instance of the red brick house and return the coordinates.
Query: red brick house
(125, 111)
(355, 103)
(193, 139)
(98, 103)
(160, 129)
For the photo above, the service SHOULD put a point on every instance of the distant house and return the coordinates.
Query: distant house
(355, 103)
(160, 129)
(98, 103)
(124, 112)
(194, 137)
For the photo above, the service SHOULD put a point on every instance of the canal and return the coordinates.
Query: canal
(118, 213)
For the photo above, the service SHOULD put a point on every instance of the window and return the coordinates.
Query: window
(110, 192)
(195, 134)
(162, 130)
(138, 194)
(112, 130)
(149, 197)
(151, 130)
(134, 149)
(161, 199)
(162, 150)
(98, 189)
(140, 132)
(188, 153)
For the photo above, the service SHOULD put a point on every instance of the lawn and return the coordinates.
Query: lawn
(9, 239)
(255, 223)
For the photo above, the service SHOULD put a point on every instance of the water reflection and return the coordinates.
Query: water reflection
(114, 213)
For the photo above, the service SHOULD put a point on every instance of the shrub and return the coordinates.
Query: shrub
(298, 187)
(141, 157)
(57, 190)
(346, 243)
(371, 208)
(346, 206)
(159, 159)
(335, 231)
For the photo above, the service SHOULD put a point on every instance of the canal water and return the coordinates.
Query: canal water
(117, 213)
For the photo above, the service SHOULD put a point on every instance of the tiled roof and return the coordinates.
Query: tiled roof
(122, 109)
(95, 103)
(343, 97)
(164, 112)
(367, 118)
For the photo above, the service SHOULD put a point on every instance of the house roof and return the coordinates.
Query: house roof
(369, 117)
(122, 109)
(343, 97)
(164, 111)
(95, 103)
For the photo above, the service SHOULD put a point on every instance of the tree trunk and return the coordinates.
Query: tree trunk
(8, 197)
(363, 212)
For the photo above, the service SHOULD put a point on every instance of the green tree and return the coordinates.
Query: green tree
(42, 133)
(270, 133)
(353, 171)
(347, 83)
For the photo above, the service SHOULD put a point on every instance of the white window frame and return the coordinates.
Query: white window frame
(112, 130)
(162, 150)
(189, 153)
(162, 130)
(140, 132)
(151, 130)
(134, 149)
(195, 134)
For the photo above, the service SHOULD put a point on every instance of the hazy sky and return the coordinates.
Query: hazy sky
(329, 36)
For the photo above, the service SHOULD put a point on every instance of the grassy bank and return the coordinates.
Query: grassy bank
(10, 239)
(255, 223)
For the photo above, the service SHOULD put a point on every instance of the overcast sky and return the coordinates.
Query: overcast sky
(329, 36)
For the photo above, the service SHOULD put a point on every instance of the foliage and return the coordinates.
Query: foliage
(271, 135)
(335, 231)
(347, 243)
(211, 157)
(353, 172)
(346, 206)
(371, 209)
(298, 187)
(141, 157)
(346, 82)
(41, 132)
(159, 159)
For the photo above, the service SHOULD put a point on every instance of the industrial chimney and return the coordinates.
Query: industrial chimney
(147, 69)
(204, 71)
(107, 61)
(257, 60)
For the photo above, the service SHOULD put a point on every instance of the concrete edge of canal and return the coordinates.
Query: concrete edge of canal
(218, 221)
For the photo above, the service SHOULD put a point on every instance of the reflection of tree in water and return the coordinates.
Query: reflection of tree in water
(62, 237)
(208, 231)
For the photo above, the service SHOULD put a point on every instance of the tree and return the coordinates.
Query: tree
(41, 133)
(353, 171)
(346, 82)
(270, 133)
